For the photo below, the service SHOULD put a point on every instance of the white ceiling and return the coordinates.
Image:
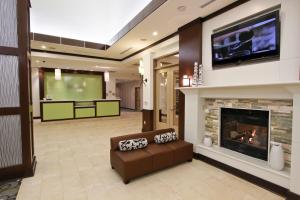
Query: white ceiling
(89, 20)
(165, 20)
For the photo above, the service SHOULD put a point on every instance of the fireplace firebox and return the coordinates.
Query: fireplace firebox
(245, 131)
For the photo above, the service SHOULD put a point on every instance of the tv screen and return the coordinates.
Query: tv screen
(255, 39)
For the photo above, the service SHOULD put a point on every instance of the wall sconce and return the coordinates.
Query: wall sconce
(141, 68)
(106, 76)
(185, 81)
(57, 74)
(142, 72)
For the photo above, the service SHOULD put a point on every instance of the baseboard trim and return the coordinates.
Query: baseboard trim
(249, 177)
(128, 108)
(292, 196)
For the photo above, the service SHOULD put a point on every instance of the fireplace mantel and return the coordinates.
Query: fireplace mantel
(195, 127)
(284, 90)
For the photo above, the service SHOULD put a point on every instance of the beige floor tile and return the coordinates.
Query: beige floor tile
(73, 164)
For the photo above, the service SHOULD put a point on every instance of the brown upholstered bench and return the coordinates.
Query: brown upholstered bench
(135, 163)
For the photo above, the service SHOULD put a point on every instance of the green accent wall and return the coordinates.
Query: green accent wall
(108, 108)
(84, 112)
(53, 111)
(73, 86)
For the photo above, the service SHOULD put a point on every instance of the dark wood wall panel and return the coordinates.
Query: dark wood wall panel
(72, 42)
(45, 38)
(190, 51)
(147, 122)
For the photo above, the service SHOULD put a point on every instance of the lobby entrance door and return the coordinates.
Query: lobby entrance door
(166, 106)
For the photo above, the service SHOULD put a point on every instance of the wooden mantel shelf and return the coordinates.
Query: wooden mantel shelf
(278, 84)
(284, 90)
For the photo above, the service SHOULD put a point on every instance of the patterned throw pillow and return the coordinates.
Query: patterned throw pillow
(128, 145)
(164, 138)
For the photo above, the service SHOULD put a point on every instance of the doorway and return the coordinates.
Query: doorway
(167, 98)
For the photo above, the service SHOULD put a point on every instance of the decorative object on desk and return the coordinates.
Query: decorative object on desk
(185, 81)
(106, 76)
(200, 75)
(195, 76)
(57, 74)
(276, 156)
(207, 141)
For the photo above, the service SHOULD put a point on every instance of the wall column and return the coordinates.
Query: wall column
(148, 93)
(295, 159)
(190, 51)
(16, 128)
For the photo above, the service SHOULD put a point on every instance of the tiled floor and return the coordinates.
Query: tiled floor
(73, 164)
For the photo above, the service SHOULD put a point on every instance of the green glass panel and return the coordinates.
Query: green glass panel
(84, 112)
(108, 108)
(53, 111)
(73, 86)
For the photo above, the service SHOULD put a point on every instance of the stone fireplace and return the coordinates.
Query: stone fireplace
(271, 118)
(245, 131)
(280, 106)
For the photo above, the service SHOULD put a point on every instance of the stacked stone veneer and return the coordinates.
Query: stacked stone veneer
(281, 119)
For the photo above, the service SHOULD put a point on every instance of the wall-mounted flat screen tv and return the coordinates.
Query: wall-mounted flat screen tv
(258, 38)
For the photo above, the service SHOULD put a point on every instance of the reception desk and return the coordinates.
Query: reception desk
(66, 110)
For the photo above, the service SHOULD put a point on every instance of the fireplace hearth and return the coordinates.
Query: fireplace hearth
(245, 131)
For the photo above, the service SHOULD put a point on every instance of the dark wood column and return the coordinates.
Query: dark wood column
(190, 51)
(17, 150)
(147, 120)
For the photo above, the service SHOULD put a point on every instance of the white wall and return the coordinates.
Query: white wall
(148, 87)
(111, 87)
(126, 92)
(286, 69)
(35, 92)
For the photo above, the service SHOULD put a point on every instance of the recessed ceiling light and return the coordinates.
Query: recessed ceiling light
(37, 61)
(43, 47)
(155, 33)
(144, 39)
(181, 8)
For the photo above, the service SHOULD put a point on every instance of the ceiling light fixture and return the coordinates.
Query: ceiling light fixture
(43, 47)
(141, 68)
(142, 72)
(155, 33)
(57, 74)
(106, 76)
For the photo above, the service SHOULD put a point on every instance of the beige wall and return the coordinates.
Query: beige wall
(126, 92)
